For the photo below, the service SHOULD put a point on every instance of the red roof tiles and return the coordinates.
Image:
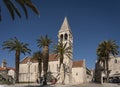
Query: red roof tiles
(25, 60)
(52, 57)
(1, 69)
(7, 68)
(78, 63)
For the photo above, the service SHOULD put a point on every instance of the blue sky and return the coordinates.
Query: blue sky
(91, 22)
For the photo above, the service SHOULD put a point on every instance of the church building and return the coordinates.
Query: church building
(76, 70)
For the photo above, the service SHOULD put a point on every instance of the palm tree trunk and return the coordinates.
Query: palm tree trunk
(17, 60)
(107, 69)
(62, 74)
(45, 63)
(61, 62)
(40, 67)
(104, 65)
(62, 70)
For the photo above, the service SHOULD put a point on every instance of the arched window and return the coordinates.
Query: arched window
(66, 36)
(61, 37)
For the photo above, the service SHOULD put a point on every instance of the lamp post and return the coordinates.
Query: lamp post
(29, 63)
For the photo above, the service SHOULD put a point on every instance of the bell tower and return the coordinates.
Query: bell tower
(4, 64)
(65, 35)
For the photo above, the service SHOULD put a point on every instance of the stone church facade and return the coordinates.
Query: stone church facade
(76, 70)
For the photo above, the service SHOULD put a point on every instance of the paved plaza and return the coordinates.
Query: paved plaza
(68, 85)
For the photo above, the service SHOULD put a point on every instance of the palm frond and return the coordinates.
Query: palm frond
(37, 56)
(12, 8)
(13, 44)
(62, 49)
(43, 41)
(22, 4)
(106, 48)
(15, 9)
(32, 6)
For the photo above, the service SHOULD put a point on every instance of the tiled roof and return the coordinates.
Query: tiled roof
(1, 69)
(52, 57)
(26, 59)
(8, 68)
(78, 63)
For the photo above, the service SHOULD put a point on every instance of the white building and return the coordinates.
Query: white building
(76, 70)
(7, 73)
(114, 68)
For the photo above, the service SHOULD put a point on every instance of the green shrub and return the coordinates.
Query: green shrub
(5, 82)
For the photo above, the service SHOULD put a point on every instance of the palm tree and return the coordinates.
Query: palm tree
(14, 44)
(102, 60)
(44, 42)
(23, 3)
(38, 56)
(104, 50)
(62, 50)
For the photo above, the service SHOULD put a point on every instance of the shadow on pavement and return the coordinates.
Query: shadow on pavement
(38, 86)
(118, 83)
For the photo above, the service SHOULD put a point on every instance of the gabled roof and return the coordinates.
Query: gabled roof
(52, 57)
(26, 59)
(78, 63)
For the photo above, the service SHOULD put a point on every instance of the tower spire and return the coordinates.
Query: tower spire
(65, 26)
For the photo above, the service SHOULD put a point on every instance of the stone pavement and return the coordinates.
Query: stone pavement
(67, 85)
(91, 85)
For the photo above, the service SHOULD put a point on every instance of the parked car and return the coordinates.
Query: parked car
(116, 80)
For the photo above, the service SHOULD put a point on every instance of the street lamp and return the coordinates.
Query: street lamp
(29, 63)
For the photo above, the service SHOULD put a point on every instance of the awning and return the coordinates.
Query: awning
(115, 75)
